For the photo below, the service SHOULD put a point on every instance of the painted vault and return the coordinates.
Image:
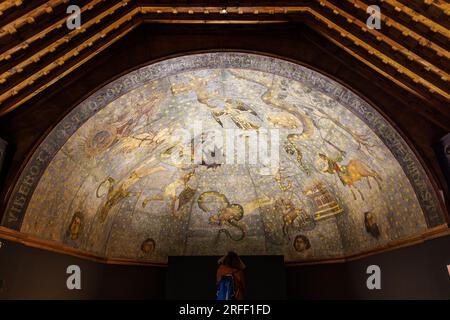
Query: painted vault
(108, 179)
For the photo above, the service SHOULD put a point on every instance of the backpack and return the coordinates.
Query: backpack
(225, 288)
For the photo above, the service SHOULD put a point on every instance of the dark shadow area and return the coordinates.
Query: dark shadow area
(29, 273)
(416, 272)
(194, 278)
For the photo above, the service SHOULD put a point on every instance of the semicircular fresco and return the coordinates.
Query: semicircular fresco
(205, 153)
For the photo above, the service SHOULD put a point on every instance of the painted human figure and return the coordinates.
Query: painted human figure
(148, 246)
(179, 193)
(371, 225)
(75, 226)
(332, 165)
(74, 229)
(119, 190)
(301, 243)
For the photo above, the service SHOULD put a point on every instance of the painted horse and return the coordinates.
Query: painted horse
(352, 172)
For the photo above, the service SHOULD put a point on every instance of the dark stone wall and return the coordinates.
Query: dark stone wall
(416, 272)
(30, 273)
(133, 282)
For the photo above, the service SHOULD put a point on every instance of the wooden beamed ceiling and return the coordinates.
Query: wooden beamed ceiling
(411, 49)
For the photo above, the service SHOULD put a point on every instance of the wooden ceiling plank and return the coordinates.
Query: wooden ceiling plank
(441, 5)
(72, 53)
(51, 48)
(436, 10)
(30, 17)
(174, 21)
(54, 35)
(15, 12)
(419, 85)
(428, 66)
(219, 9)
(27, 97)
(41, 34)
(8, 4)
(440, 121)
(77, 43)
(407, 32)
(386, 59)
(417, 17)
(372, 66)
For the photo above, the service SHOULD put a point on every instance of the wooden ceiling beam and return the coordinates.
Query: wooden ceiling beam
(405, 30)
(360, 29)
(30, 17)
(437, 10)
(374, 62)
(8, 4)
(24, 62)
(416, 26)
(39, 33)
(380, 55)
(48, 67)
(442, 5)
(10, 10)
(418, 17)
(61, 71)
(427, 110)
(222, 4)
(225, 12)
(395, 59)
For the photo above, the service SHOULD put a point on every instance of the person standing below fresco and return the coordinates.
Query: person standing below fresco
(230, 277)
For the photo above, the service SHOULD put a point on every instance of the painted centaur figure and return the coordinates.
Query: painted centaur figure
(352, 172)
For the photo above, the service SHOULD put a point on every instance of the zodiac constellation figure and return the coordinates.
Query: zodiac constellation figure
(279, 179)
(292, 148)
(199, 86)
(292, 214)
(171, 192)
(239, 112)
(293, 217)
(275, 96)
(119, 190)
(350, 173)
(224, 213)
(283, 120)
